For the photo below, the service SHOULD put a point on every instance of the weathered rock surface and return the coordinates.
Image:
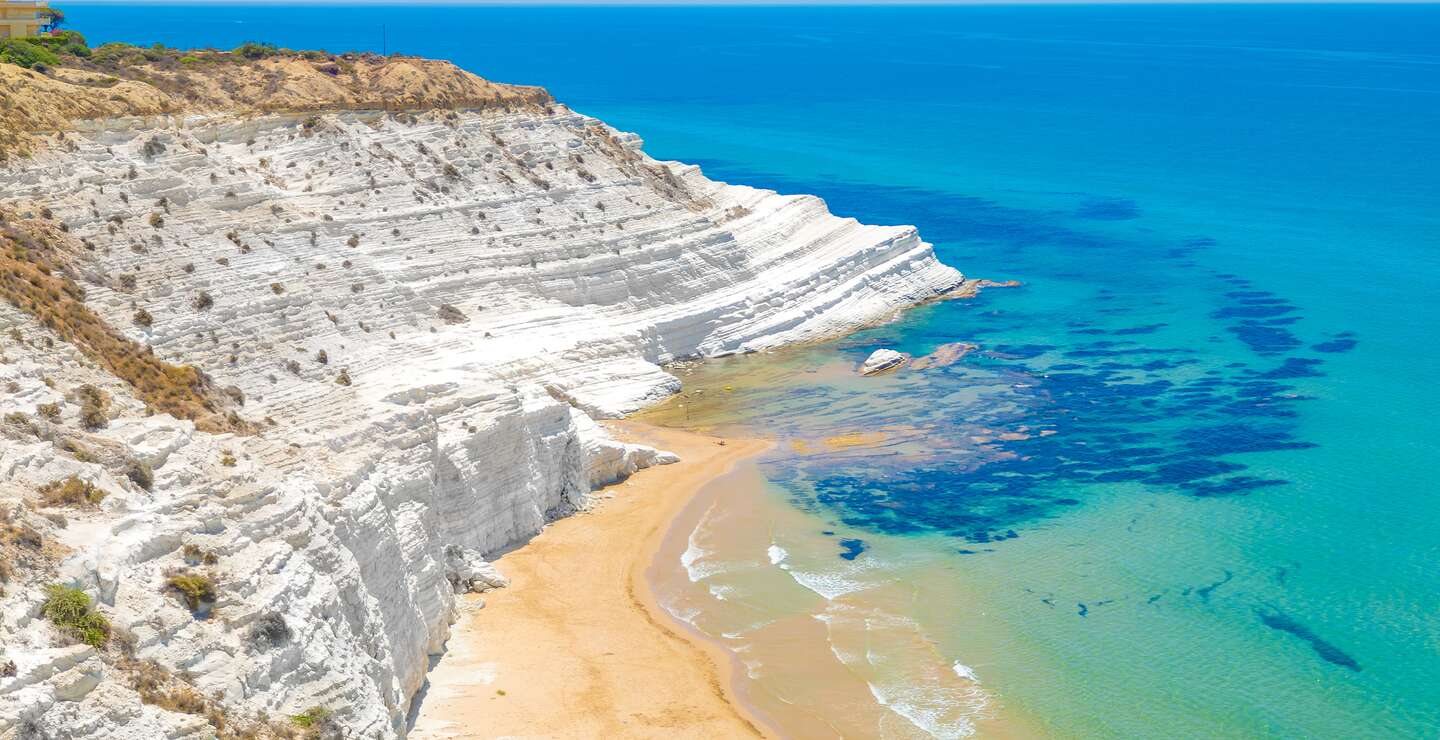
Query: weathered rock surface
(882, 360)
(424, 314)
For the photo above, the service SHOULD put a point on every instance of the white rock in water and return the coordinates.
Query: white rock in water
(883, 359)
(344, 531)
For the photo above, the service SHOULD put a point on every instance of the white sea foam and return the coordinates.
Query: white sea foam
(737, 634)
(695, 558)
(721, 592)
(830, 586)
(918, 706)
(914, 690)
(777, 554)
(686, 614)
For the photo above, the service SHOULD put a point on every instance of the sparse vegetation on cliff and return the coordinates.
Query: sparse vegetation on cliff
(72, 492)
(197, 590)
(70, 610)
(119, 79)
(33, 278)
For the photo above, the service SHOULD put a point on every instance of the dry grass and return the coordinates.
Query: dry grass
(197, 555)
(94, 407)
(146, 82)
(71, 492)
(33, 279)
(197, 590)
(158, 687)
(23, 550)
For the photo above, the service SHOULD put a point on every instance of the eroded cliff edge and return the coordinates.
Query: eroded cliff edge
(411, 318)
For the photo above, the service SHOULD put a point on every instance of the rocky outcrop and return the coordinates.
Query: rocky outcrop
(419, 315)
(883, 360)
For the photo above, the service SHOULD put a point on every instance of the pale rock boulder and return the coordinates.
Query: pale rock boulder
(883, 360)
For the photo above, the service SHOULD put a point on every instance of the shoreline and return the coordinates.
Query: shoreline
(578, 645)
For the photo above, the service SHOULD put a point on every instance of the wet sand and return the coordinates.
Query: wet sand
(576, 645)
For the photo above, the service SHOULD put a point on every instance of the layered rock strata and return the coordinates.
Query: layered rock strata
(419, 316)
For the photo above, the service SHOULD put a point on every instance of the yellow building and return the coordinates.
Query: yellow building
(24, 18)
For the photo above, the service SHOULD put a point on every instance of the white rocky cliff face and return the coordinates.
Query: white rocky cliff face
(424, 314)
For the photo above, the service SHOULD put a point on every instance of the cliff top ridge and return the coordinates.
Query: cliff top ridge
(47, 83)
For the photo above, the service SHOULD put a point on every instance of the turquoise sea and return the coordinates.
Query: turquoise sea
(1185, 485)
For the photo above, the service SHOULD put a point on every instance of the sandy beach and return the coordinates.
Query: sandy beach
(576, 646)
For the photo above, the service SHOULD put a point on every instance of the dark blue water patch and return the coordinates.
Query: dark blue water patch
(1222, 439)
(1108, 429)
(1134, 330)
(1018, 352)
(963, 226)
(1189, 247)
(1336, 345)
(1263, 339)
(1108, 209)
(1277, 620)
(1120, 409)
(1126, 352)
(1233, 486)
(1204, 591)
(1296, 367)
(1249, 310)
(850, 548)
(1192, 469)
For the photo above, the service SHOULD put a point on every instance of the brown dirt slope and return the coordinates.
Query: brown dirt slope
(130, 81)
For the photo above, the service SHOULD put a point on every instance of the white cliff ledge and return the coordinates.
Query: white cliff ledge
(487, 283)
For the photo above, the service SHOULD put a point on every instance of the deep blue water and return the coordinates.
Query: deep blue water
(1227, 220)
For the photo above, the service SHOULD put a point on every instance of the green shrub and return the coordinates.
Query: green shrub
(254, 50)
(64, 42)
(28, 54)
(117, 53)
(312, 717)
(69, 609)
(196, 590)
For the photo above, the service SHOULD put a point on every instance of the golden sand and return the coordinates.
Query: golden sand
(576, 645)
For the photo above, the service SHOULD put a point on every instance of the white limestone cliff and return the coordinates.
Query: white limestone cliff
(488, 283)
